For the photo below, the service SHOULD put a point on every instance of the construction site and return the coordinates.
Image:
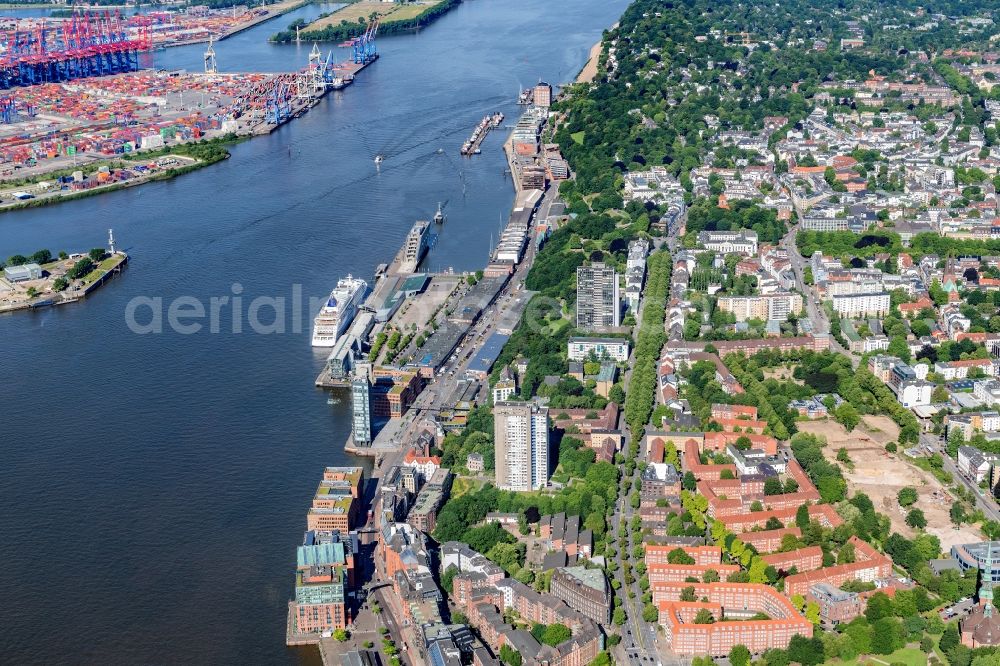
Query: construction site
(75, 102)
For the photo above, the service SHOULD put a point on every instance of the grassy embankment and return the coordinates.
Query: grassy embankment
(352, 20)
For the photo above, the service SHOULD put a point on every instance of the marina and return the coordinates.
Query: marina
(471, 147)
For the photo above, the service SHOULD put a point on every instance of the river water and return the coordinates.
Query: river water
(153, 487)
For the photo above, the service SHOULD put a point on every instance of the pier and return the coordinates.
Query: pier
(471, 147)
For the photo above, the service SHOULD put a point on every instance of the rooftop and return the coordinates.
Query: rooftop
(593, 578)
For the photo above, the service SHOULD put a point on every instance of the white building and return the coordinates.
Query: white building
(743, 241)
(972, 422)
(914, 393)
(988, 391)
(505, 387)
(974, 464)
(616, 349)
(960, 369)
(521, 436)
(765, 306)
(862, 305)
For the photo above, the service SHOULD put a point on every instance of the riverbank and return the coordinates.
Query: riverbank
(589, 71)
(59, 282)
(352, 20)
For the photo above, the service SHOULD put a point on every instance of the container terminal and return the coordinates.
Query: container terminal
(77, 115)
(162, 28)
(199, 23)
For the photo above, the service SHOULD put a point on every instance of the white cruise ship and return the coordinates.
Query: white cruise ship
(338, 311)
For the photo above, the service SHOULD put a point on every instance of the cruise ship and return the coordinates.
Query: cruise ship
(338, 311)
(415, 247)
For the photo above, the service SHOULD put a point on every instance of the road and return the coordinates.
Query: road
(639, 638)
(815, 312)
(985, 503)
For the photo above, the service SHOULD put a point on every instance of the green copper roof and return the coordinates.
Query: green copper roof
(326, 553)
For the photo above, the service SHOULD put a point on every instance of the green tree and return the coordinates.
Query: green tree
(879, 607)
(906, 496)
(704, 616)
(739, 655)
(802, 516)
(949, 638)
(649, 613)
(887, 636)
(555, 634)
(812, 612)
(678, 556)
(847, 416)
(509, 655)
(915, 518)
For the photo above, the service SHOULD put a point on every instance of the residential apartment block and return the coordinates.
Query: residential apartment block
(764, 306)
(598, 297)
(615, 349)
(521, 443)
(685, 637)
(862, 305)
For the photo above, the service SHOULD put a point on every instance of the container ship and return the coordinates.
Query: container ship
(415, 246)
(338, 311)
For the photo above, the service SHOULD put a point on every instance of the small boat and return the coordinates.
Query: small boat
(439, 215)
(378, 159)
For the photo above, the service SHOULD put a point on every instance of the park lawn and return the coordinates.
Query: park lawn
(101, 269)
(578, 136)
(557, 326)
(462, 485)
(411, 10)
(911, 656)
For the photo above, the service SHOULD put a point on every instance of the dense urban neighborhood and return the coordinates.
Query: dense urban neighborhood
(731, 393)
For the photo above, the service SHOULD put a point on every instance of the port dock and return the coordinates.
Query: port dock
(471, 147)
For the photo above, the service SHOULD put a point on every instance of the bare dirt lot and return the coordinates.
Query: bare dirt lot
(881, 475)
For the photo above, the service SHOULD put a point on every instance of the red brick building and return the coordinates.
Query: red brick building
(803, 559)
(869, 566)
(732, 601)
